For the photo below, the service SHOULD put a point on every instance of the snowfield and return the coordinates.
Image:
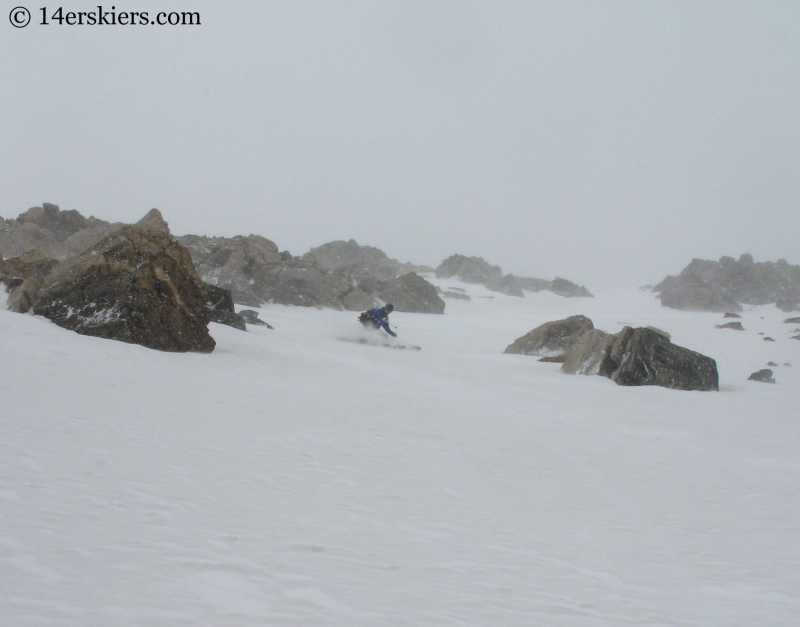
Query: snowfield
(291, 478)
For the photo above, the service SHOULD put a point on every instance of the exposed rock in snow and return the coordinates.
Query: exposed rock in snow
(251, 317)
(220, 307)
(762, 376)
(468, 269)
(136, 285)
(341, 254)
(551, 338)
(726, 284)
(736, 326)
(23, 277)
(588, 353)
(412, 293)
(644, 357)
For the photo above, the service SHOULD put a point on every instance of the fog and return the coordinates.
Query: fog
(608, 143)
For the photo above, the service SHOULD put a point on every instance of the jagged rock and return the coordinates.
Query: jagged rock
(792, 320)
(731, 315)
(588, 353)
(736, 326)
(368, 259)
(251, 317)
(762, 376)
(725, 284)
(137, 286)
(23, 278)
(551, 338)
(455, 295)
(412, 293)
(643, 357)
(58, 234)
(508, 284)
(468, 269)
(220, 307)
(568, 289)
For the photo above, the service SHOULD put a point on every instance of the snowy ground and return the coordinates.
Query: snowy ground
(291, 478)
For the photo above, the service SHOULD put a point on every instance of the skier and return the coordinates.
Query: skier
(378, 318)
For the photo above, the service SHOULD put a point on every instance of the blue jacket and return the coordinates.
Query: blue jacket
(380, 318)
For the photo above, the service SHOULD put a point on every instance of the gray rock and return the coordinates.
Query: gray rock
(588, 354)
(136, 286)
(368, 259)
(219, 303)
(455, 295)
(711, 285)
(762, 376)
(412, 293)
(792, 320)
(643, 357)
(568, 289)
(731, 315)
(468, 269)
(508, 284)
(534, 285)
(23, 278)
(768, 339)
(551, 338)
(736, 326)
(251, 317)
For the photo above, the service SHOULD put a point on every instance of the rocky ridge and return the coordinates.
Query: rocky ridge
(478, 270)
(727, 284)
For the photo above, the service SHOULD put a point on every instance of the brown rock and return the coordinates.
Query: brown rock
(551, 338)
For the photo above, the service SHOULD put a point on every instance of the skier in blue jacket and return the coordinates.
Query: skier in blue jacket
(380, 318)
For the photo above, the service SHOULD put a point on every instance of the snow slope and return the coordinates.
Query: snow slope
(291, 478)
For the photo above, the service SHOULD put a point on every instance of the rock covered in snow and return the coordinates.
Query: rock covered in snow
(551, 338)
(137, 285)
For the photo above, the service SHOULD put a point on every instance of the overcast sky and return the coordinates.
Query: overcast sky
(605, 142)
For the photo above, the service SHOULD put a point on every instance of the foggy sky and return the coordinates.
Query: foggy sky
(608, 143)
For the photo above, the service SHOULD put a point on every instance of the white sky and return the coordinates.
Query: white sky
(608, 143)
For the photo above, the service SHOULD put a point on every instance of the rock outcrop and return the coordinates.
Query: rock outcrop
(23, 277)
(644, 357)
(137, 285)
(641, 356)
(735, 326)
(478, 270)
(551, 338)
(57, 234)
(251, 317)
(727, 284)
(368, 259)
(256, 273)
(411, 293)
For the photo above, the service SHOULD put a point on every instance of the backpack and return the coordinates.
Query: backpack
(365, 317)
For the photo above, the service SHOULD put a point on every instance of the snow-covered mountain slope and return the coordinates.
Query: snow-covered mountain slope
(291, 478)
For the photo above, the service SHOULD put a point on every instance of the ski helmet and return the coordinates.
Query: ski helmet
(389, 307)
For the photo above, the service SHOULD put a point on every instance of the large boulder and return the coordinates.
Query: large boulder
(23, 278)
(588, 353)
(552, 338)
(137, 285)
(412, 293)
(645, 357)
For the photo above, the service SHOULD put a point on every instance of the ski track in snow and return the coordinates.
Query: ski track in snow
(290, 478)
